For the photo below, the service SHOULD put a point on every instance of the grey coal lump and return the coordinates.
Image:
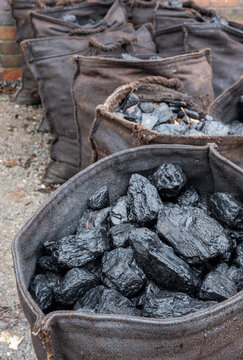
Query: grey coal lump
(121, 272)
(100, 199)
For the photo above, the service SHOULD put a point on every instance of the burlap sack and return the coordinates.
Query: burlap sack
(99, 76)
(110, 133)
(225, 42)
(50, 60)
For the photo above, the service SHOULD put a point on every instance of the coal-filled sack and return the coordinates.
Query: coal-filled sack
(50, 60)
(228, 107)
(163, 14)
(79, 18)
(92, 77)
(66, 334)
(225, 42)
(159, 114)
(28, 94)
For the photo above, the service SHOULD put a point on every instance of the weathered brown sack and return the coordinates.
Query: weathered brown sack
(50, 22)
(110, 133)
(100, 76)
(162, 15)
(225, 42)
(28, 94)
(211, 334)
(50, 60)
(225, 108)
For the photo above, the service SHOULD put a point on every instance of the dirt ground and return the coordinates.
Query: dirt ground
(23, 157)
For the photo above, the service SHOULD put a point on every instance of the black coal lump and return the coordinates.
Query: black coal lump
(147, 107)
(121, 272)
(103, 300)
(91, 299)
(118, 213)
(227, 209)
(234, 273)
(78, 250)
(49, 246)
(131, 100)
(215, 128)
(169, 179)
(120, 234)
(48, 263)
(235, 235)
(171, 129)
(188, 197)
(95, 267)
(53, 278)
(167, 304)
(112, 302)
(193, 132)
(239, 255)
(143, 200)
(74, 284)
(70, 18)
(192, 114)
(134, 114)
(217, 286)
(203, 203)
(161, 264)
(41, 290)
(192, 233)
(93, 218)
(150, 289)
(100, 199)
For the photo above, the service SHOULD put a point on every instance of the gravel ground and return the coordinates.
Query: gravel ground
(23, 157)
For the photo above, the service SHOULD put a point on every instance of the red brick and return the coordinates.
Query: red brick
(10, 61)
(7, 33)
(9, 48)
(9, 74)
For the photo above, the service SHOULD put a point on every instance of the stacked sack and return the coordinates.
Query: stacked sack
(80, 52)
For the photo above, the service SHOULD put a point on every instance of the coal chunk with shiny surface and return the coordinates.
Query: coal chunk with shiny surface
(188, 197)
(161, 264)
(120, 234)
(166, 304)
(103, 300)
(169, 179)
(217, 286)
(48, 263)
(100, 199)
(121, 272)
(93, 218)
(143, 200)
(192, 233)
(74, 284)
(118, 213)
(78, 250)
(227, 209)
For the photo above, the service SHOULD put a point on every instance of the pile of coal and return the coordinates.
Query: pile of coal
(160, 250)
(81, 20)
(175, 118)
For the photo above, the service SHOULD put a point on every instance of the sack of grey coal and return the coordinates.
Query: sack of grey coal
(229, 107)
(92, 77)
(50, 60)
(225, 43)
(150, 111)
(143, 235)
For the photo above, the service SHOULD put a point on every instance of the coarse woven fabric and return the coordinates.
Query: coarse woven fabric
(50, 60)
(225, 42)
(92, 77)
(67, 334)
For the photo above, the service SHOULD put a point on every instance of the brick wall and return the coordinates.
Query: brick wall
(10, 58)
(230, 9)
